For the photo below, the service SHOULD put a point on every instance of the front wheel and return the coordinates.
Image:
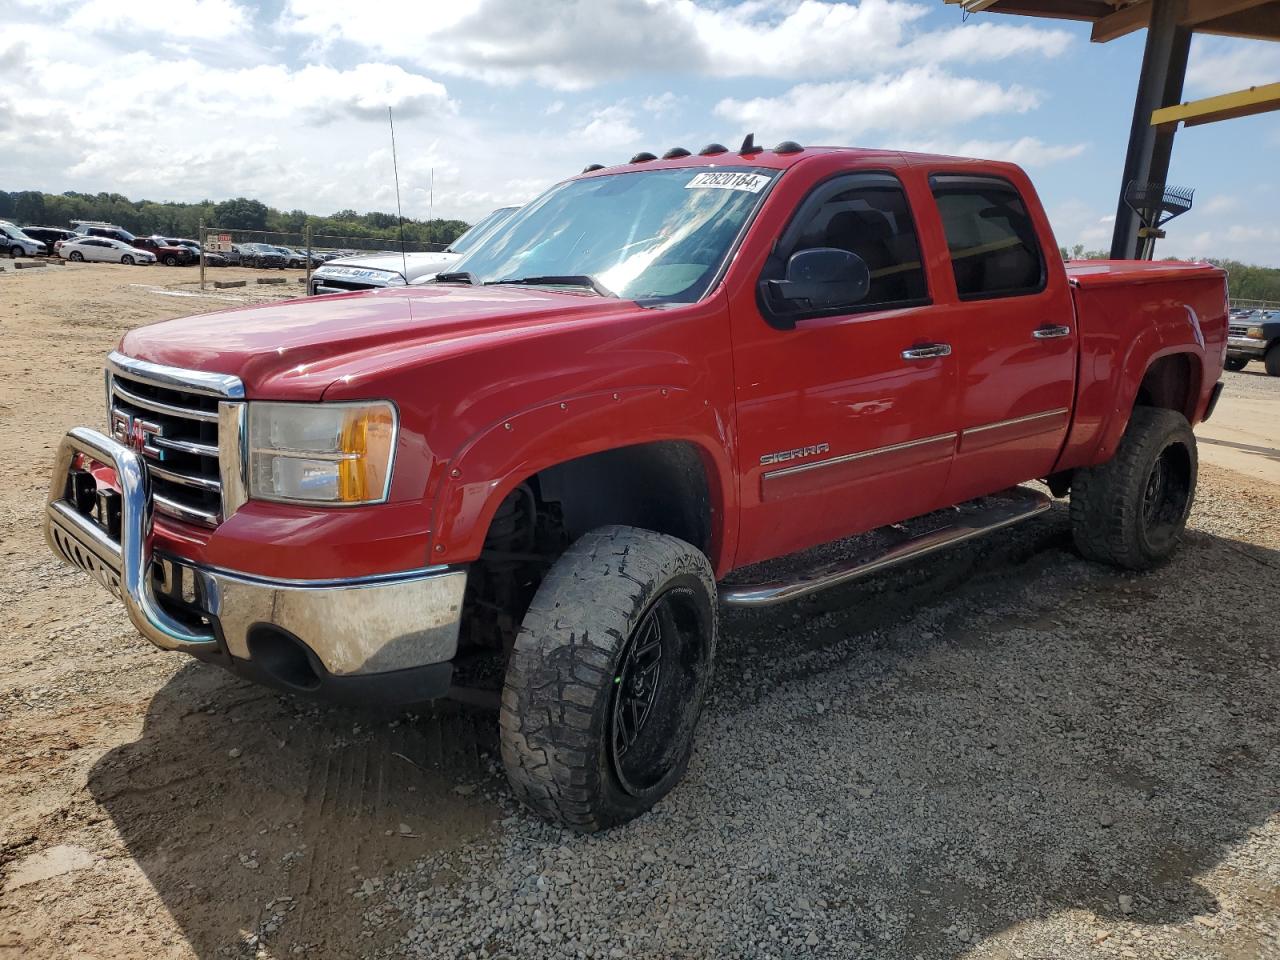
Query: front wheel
(1131, 511)
(15, 252)
(127, 260)
(170, 260)
(607, 677)
(76, 255)
(1235, 364)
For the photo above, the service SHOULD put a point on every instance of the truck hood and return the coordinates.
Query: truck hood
(416, 264)
(295, 349)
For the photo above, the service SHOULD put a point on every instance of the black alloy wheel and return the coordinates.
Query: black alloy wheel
(648, 699)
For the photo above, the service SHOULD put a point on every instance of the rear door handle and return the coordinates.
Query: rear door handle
(927, 351)
(1051, 332)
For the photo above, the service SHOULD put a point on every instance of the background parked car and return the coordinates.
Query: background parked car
(262, 256)
(104, 249)
(48, 235)
(170, 254)
(211, 259)
(98, 228)
(16, 243)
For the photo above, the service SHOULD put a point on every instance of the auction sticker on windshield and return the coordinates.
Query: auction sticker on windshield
(727, 180)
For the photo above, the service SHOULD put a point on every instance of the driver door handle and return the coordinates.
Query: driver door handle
(927, 351)
(1051, 332)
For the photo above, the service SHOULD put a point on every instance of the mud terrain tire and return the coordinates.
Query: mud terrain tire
(1130, 512)
(626, 617)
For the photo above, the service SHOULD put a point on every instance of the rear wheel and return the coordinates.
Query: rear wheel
(1235, 363)
(1131, 511)
(1272, 359)
(607, 677)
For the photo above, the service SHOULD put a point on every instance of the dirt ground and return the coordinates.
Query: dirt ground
(153, 807)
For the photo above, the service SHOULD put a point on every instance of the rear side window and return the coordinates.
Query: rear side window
(993, 243)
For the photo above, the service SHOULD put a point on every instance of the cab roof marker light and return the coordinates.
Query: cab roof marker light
(643, 156)
(788, 146)
(675, 153)
(711, 149)
(592, 167)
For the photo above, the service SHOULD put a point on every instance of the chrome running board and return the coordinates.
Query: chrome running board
(964, 522)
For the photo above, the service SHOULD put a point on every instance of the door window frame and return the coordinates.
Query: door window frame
(988, 179)
(783, 247)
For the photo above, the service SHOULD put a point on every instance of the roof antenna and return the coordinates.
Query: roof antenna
(749, 145)
(404, 260)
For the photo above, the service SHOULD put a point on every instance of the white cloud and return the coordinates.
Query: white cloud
(1222, 65)
(608, 127)
(919, 99)
(576, 44)
(193, 19)
(1025, 151)
(662, 103)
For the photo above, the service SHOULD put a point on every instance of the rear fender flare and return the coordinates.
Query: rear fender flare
(1152, 345)
(495, 461)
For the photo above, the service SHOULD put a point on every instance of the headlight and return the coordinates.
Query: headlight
(1254, 333)
(324, 453)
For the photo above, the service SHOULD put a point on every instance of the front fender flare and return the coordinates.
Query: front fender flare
(497, 459)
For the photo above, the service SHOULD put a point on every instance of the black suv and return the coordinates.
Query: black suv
(1251, 335)
(48, 235)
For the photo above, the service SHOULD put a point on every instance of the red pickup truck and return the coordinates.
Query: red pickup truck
(562, 456)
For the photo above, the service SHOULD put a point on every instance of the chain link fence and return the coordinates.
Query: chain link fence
(281, 250)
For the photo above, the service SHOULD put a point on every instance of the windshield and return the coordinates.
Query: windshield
(652, 235)
(475, 233)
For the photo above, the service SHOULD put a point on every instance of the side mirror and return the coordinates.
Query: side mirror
(821, 278)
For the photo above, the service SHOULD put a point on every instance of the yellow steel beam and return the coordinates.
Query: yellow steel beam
(1228, 106)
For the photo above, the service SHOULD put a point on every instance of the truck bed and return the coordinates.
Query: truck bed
(1106, 273)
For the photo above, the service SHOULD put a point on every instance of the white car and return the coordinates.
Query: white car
(394, 269)
(104, 250)
(16, 243)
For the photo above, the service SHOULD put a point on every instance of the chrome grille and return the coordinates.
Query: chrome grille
(175, 420)
(1237, 329)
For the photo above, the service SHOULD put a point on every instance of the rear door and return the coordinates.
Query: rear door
(1014, 334)
(846, 419)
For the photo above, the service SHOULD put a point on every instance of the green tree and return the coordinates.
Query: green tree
(241, 214)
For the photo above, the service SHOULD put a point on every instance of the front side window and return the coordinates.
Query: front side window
(654, 235)
(993, 243)
(865, 214)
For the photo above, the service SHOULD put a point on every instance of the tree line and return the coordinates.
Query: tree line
(1245, 281)
(146, 217)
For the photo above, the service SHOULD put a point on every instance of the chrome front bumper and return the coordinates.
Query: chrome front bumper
(1246, 346)
(352, 627)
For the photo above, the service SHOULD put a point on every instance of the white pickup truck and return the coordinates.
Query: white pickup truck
(397, 270)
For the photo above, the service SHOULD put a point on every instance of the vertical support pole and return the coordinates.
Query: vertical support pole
(203, 238)
(308, 279)
(1162, 152)
(1164, 67)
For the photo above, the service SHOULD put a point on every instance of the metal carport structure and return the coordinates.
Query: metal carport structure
(1158, 107)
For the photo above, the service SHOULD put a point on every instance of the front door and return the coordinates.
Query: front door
(847, 421)
(1014, 339)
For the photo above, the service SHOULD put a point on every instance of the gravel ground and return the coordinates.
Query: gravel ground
(1002, 751)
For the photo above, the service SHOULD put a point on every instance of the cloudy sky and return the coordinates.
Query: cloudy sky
(285, 100)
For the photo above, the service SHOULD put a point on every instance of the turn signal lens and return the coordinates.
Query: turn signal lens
(324, 453)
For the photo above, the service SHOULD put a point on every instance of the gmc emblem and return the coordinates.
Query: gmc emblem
(137, 434)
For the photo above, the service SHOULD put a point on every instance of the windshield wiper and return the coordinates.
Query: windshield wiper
(572, 280)
(460, 276)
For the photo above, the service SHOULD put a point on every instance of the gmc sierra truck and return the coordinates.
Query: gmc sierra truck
(560, 457)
